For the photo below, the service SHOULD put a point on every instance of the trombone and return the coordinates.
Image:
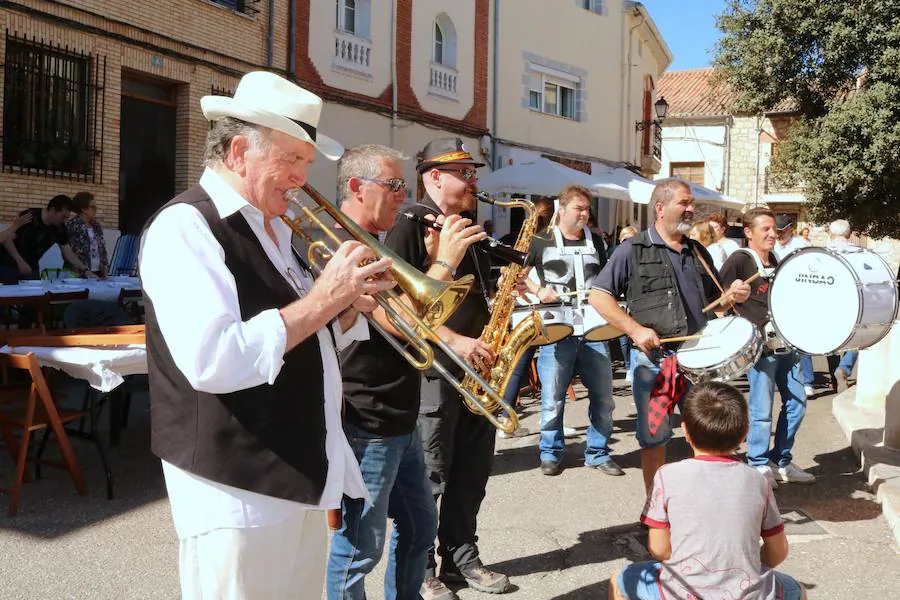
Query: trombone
(432, 301)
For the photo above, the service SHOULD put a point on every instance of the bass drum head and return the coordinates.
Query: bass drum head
(814, 301)
(555, 332)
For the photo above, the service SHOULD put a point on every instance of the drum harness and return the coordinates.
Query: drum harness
(578, 263)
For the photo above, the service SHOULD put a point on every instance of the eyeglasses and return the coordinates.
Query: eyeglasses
(465, 174)
(395, 185)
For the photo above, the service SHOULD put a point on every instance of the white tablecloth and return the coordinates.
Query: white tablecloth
(103, 368)
(105, 289)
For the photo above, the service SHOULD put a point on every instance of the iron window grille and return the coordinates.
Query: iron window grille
(53, 109)
(246, 7)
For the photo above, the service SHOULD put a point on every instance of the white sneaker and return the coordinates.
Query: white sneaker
(809, 390)
(570, 432)
(628, 377)
(768, 474)
(793, 474)
(519, 432)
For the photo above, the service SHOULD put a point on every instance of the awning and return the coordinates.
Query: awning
(641, 189)
(545, 177)
(784, 198)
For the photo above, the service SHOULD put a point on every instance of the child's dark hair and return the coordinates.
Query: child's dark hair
(716, 418)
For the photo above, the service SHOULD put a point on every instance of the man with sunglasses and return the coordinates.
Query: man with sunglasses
(458, 445)
(381, 405)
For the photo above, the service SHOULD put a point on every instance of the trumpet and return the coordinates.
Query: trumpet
(431, 301)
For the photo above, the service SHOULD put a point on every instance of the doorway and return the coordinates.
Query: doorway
(147, 150)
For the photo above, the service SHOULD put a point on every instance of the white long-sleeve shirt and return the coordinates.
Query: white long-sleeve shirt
(219, 353)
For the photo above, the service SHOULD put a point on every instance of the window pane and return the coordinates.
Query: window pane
(567, 102)
(438, 44)
(350, 16)
(550, 101)
(534, 100)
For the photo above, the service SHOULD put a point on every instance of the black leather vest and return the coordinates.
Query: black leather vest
(653, 297)
(268, 439)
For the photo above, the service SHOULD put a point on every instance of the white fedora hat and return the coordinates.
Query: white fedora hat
(266, 99)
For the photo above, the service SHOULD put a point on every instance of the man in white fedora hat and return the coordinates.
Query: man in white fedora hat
(245, 387)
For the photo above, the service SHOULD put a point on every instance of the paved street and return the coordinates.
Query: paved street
(558, 538)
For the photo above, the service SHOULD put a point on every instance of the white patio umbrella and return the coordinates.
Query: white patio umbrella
(640, 190)
(545, 177)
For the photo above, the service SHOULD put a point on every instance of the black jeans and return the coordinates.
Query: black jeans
(459, 454)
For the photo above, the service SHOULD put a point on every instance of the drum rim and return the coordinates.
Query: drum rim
(755, 338)
(839, 256)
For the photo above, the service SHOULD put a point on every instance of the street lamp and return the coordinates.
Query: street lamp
(662, 109)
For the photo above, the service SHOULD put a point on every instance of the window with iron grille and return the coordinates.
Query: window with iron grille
(52, 109)
(242, 6)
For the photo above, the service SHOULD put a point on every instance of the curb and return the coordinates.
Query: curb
(864, 429)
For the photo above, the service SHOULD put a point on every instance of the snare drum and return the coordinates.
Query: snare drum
(595, 327)
(555, 317)
(730, 346)
(828, 301)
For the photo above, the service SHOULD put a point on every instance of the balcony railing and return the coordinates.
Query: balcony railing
(442, 81)
(657, 142)
(352, 52)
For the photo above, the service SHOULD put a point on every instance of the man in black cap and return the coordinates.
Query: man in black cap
(787, 242)
(458, 444)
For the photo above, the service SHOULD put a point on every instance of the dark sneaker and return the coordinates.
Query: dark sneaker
(608, 467)
(550, 467)
(434, 589)
(479, 577)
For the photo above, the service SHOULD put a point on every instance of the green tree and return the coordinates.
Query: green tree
(838, 63)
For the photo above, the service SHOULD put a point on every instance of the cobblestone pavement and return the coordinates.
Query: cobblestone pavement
(557, 538)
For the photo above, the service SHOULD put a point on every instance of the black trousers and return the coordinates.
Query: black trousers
(459, 454)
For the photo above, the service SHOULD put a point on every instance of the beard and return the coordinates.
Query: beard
(684, 227)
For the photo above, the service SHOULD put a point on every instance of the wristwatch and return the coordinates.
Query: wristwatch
(450, 269)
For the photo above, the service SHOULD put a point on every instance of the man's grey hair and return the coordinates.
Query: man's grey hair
(665, 190)
(364, 161)
(224, 130)
(839, 228)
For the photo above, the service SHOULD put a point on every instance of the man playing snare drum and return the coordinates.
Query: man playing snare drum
(568, 260)
(777, 367)
(666, 279)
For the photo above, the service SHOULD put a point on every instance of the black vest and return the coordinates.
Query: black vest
(268, 439)
(653, 298)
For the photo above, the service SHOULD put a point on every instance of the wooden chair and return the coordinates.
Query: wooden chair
(39, 305)
(130, 300)
(31, 408)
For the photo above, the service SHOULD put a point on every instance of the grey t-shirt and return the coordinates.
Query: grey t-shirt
(717, 509)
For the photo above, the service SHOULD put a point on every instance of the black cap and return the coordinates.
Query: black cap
(445, 151)
(783, 221)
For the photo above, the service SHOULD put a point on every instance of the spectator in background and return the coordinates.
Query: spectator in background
(86, 235)
(720, 226)
(804, 233)
(33, 239)
(705, 233)
(8, 273)
(624, 341)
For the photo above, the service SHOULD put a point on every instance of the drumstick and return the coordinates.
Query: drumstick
(725, 296)
(681, 338)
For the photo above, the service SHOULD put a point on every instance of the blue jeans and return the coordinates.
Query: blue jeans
(625, 345)
(848, 361)
(771, 371)
(639, 581)
(557, 364)
(644, 372)
(807, 375)
(515, 381)
(393, 469)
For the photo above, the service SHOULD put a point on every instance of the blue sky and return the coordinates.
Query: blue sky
(689, 28)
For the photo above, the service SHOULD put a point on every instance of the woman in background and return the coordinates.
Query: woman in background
(86, 234)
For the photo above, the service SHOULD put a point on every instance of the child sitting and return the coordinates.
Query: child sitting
(707, 514)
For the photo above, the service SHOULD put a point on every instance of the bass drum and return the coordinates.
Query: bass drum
(553, 314)
(828, 301)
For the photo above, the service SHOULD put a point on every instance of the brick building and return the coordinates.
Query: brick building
(100, 96)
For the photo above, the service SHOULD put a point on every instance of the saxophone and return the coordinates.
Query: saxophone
(508, 346)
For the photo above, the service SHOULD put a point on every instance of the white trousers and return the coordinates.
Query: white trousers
(257, 563)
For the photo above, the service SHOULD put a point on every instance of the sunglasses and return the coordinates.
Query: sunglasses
(395, 185)
(465, 174)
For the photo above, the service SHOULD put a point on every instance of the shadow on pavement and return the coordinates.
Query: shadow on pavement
(50, 507)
